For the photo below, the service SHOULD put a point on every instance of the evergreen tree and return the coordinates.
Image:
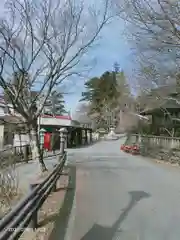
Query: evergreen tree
(103, 94)
(116, 67)
(55, 104)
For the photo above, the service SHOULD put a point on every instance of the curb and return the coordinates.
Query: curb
(71, 222)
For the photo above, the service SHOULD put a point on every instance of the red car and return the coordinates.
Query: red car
(133, 149)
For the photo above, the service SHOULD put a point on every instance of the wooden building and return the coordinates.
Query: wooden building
(77, 134)
(163, 108)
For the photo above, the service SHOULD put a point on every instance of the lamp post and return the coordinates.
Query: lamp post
(63, 138)
(41, 135)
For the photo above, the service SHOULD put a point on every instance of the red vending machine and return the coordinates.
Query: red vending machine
(47, 141)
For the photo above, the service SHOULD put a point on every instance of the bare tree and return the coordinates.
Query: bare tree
(155, 32)
(81, 114)
(44, 42)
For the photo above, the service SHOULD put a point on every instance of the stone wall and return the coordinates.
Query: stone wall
(169, 155)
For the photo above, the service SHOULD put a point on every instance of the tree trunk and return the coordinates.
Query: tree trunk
(37, 152)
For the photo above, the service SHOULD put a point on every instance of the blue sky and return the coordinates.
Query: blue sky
(112, 47)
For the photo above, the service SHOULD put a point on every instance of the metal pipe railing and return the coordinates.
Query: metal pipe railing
(26, 211)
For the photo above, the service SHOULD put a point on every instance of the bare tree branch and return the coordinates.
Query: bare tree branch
(42, 45)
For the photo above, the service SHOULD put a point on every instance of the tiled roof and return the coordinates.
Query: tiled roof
(59, 117)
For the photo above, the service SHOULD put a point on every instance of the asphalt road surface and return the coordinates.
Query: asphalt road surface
(119, 196)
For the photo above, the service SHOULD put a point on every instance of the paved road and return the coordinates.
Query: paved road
(125, 197)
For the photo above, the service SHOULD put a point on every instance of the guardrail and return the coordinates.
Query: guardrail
(16, 221)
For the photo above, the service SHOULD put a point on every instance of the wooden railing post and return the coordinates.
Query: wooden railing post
(54, 188)
(34, 219)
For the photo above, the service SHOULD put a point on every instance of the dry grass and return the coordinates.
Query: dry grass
(9, 186)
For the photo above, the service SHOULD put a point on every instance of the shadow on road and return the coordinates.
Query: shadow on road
(65, 210)
(99, 232)
(100, 159)
(85, 145)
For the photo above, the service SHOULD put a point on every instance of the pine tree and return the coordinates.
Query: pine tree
(55, 104)
(102, 93)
